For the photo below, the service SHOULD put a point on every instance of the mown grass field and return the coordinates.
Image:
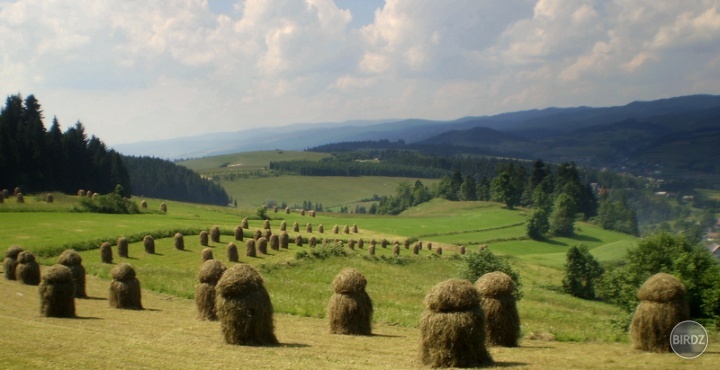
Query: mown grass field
(168, 336)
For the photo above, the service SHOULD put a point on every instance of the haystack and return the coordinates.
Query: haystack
(232, 252)
(371, 250)
(299, 241)
(284, 240)
(416, 249)
(283, 226)
(208, 276)
(206, 254)
(80, 192)
(20, 198)
(361, 243)
(204, 238)
(215, 234)
(302, 212)
(10, 261)
(312, 241)
(384, 243)
(350, 309)
(429, 246)
(287, 210)
(452, 328)
(461, 250)
(262, 245)
(72, 260)
(335, 229)
(308, 228)
(257, 234)
(346, 229)
(244, 223)
(122, 247)
(27, 270)
(351, 244)
(396, 250)
(149, 244)
(354, 229)
(125, 288)
(179, 241)
(143, 203)
(502, 322)
(274, 242)
(266, 224)
(266, 234)
(106, 255)
(406, 243)
(57, 292)
(244, 308)
(439, 251)
(250, 248)
(296, 227)
(239, 233)
(321, 229)
(662, 306)
(49, 198)
(163, 208)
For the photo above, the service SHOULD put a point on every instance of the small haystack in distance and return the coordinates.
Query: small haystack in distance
(239, 233)
(351, 244)
(361, 243)
(206, 254)
(266, 224)
(257, 234)
(244, 308)
(438, 251)
(354, 229)
(452, 328)
(299, 241)
(232, 252)
(312, 241)
(122, 247)
(20, 198)
(283, 226)
(179, 241)
(308, 228)
(662, 306)
(10, 261)
(149, 244)
(208, 276)
(204, 238)
(27, 270)
(163, 208)
(350, 309)
(215, 234)
(287, 210)
(262, 245)
(73, 261)
(502, 322)
(266, 234)
(346, 229)
(49, 198)
(284, 240)
(406, 243)
(384, 243)
(416, 249)
(106, 255)
(321, 229)
(296, 227)
(396, 250)
(371, 250)
(274, 242)
(461, 250)
(125, 288)
(335, 229)
(250, 248)
(143, 203)
(57, 292)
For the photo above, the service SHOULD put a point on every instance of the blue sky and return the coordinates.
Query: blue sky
(146, 70)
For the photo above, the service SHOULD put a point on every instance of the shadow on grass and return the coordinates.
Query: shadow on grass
(294, 345)
(95, 298)
(386, 336)
(86, 318)
(584, 238)
(508, 364)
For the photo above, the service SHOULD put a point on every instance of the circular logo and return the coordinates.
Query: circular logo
(688, 339)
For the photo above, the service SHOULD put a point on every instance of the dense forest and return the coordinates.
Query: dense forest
(37, 159)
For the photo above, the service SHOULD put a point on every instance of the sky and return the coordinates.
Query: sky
(135, 71)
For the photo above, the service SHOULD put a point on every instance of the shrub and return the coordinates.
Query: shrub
(477, 264)
(581, 271)
(110, 203)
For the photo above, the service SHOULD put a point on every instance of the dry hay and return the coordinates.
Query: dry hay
(312, 213)
(143, 204)
(274, 242)
(72, 260)
(179, 241)
(266, 224)
(232, 253)
(406, 243)
(350, 309)
(244, 223)
(439, 251)
(49, 198)
(206, 254)
(361, 243)
(308, 228)
(149, 244)
(125, 290)
(215, 234)
(419, 244)
(262, 245)
(122, 247)
(275, 209)
(302, 212)
(250, 248)
(351, 244)
(283, 226)
(482, 247)
(312, 241)
(284, 240)
(371, 250)
(346, 229)
(210, 272)
(296, 227)
(57, 292)
(452, 329)
(239, 233)
(461, 250)
(95, 196)
(299, 240)
(384, 243)
(16, 191)
(396, 250)
(20, 198)
(502, 322)
(257, 234)
(6, 193)
(335, 229)
(204, 238)
(354, 229)
(80, 192)
(106, 255)
(27, 270)
(321, 229)
(267, 233)
(287, 210)
(416, 249)
(662, 306)
(10, 261)
(163, 208)
(429, 246)
(89, 193)
(244, 308)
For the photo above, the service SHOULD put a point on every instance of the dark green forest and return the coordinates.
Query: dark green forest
(37, 159)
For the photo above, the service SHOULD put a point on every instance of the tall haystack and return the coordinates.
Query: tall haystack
(232, 252)
(204, 238)
(346, 229)
(384, 243)
(321, 229)
(250, 248)
(266, 224)
(257, 234)
(350, 309)
(125, 288)
(354, 229)
(452, 328)
(149, 244)
(438, 251)
(244, 223)
(429, 246)
(106, 255)
(27, 270)
(239, 233)
(296, 227)
(312, 241)
(361, 243)
(308, 228)
(266, 234)
(662, 306)
(416, 249)
(215, 234)
(20, 198)
(73, 261)
(163, 207)
(122, 247)
(57, 292)
(206, 254)
(208, 276)
(502, 322)
(274, 242)
(406, 243)
(299, 241)
(262, 245)
(49, 198)
(10, 261)
(371, 250)
(80, 192)
(283, 226)
(461, 250)
(335, 229)
(179, 241)
(351, 244)
(284, 240)
(244, 308)
(396, 250)
(143, 203)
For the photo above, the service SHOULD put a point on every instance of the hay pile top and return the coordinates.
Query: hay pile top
(211, 271)
(454, 295)
(70, 257)
(123, 272)
(349, 281)
(494, 284)
(662, 288)
(57, 274)
(239, 280)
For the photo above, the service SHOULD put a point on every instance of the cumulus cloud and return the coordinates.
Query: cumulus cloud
(180, 68)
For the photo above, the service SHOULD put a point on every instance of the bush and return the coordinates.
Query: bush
(477, 264)
(111, 203)
(581, 271)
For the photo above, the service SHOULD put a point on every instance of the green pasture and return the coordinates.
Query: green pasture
(247, 161)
